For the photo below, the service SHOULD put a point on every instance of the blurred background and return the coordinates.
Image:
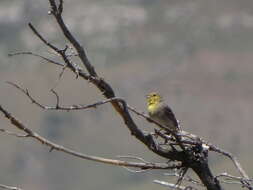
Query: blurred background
(196, 53)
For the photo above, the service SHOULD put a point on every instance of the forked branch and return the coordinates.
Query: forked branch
(53, 146)
(192, 152)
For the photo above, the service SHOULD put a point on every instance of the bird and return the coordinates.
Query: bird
(161, 113)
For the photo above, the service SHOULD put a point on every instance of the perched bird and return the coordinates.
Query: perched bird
(160, 112)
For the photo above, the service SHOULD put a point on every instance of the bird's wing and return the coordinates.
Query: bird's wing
(171, 115)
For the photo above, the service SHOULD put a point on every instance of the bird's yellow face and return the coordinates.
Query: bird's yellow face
(153, 99)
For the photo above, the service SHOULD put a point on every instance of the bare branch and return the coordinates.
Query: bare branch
(230, 179)
(173, 186)
(9, 187)
(57, 98)
(42, 39)
(12, 133)
(142, 114)
(135, 171)
(63, 108)
(193, 153)
(82, 107)
(147, 139)
(133, 157)
(25, 91)
(210, 146)
(185, 178)
(61, 52)
(174, 166)
(80, 50)
(60, 148)
(36, 55)
(230, 156)
(94, 105)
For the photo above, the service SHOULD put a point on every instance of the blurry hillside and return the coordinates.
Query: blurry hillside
(197, 53)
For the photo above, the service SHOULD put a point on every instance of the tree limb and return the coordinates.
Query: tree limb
(53, 146)
(193, 151)
(9, 187)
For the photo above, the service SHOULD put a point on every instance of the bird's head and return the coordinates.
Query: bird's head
(153, 98)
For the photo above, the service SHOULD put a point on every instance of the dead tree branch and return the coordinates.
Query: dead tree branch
(191, 152)
(193, 138)
(31, 134)
(9, 187)
(173, 186)
(230, 179)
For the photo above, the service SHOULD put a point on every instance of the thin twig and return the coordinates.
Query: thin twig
(12, 133)
(61, 52)
(94, 105)
(60, 148)
(59, 107)
(230, 156)
(9, 187)
(210, 146)
(42, 39)
(119, 105)
(82, 107)
(173, 186)
(77, 107)
(186, 178)
(135, 171)
(133, 157)
(42, 57)
(56, 12)
(230, 179)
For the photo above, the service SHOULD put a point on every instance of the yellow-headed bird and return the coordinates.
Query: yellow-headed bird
(160, 112)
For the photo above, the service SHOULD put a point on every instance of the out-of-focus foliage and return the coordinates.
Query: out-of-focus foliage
(197, 54)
